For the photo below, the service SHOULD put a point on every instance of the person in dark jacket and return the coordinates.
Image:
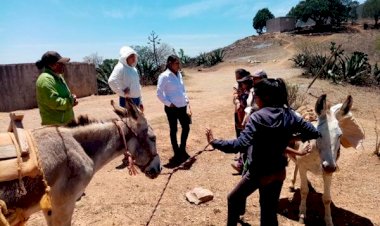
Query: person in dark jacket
(269, 130)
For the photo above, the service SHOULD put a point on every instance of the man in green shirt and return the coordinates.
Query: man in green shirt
(54, 98)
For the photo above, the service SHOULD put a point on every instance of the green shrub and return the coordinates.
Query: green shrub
(148, 71)
(353, 68)
(210, 59)
(103, 72)
(201, 59)
(356, 69)
(376, 74)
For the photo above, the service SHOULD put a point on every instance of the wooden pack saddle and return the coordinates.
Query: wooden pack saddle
(18, 157)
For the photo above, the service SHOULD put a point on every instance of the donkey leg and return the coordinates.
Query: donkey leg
(292, 187)
(304, 193)
(327, 198)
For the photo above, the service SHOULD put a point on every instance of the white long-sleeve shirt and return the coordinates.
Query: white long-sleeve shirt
(124, 76)
(170, 89)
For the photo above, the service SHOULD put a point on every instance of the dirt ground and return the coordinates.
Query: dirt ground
(115, 198)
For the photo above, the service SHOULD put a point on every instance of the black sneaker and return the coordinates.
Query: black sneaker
(173, 162)
(185, 156)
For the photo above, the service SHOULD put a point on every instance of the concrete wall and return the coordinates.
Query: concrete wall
(281, 24)
(18, 84)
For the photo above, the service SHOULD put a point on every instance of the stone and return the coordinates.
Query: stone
(199, 195)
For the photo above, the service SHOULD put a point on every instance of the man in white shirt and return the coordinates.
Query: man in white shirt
(171, 92)
(125, 79)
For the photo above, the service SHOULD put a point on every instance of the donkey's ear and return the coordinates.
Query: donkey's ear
(133, 111)
(347, 105)
(321, 106)
(122, 112)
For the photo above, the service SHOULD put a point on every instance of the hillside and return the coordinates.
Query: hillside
(115, 198)
(269, 47)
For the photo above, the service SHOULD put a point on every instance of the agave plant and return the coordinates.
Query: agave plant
(201, 59)
(103, 72)
(376, 73)
(356, 68)
(148, 71)
(300, 60)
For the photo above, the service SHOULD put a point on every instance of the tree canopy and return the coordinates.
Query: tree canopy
(260, 19)
(322, 11)
(371, 9)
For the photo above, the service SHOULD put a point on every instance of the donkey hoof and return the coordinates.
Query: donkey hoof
(328, 221)
(301, 219)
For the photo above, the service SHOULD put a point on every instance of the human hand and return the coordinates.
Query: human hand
(127, 90)
(209, 135)
(75, 100)
(141, 107)
(306, 149)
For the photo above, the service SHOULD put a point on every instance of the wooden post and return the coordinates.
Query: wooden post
(17, 128)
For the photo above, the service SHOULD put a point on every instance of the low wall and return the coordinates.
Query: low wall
(18, 84)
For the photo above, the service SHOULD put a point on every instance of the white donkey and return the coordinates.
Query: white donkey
(70, 157)
(337, 127)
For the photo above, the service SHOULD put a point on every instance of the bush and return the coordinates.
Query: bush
(103, 72)
(354, 68)
(201, 59)
(376, 74)
(295, 98)
(210, 59)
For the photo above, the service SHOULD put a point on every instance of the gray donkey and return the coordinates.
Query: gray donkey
(70, 157)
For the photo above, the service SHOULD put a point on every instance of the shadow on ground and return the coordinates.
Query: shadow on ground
(315, 211)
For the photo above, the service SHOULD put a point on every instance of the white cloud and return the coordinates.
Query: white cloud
(121, 13)
(115, 14)
(197, 8)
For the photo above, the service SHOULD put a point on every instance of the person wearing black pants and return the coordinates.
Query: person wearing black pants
(171, 92)
(175, 114)
(268, 131)
(269, 195)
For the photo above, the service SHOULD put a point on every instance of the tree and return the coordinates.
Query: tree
(93, 58)
(260, 20)
(371, 9)
(353, 11)
(151, 59)
(154, 41)
(320, 11)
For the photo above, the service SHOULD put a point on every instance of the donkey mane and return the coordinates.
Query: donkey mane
(84, 120)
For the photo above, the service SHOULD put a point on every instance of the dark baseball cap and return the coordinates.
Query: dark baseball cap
(52, 57)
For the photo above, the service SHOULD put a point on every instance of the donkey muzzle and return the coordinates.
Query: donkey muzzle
(328, 168)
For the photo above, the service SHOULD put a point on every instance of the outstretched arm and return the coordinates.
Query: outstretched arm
(237, 145)
(302, 152)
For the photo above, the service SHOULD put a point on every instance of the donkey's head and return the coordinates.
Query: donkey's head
(141, 140)
(329, 143)
(338, 127)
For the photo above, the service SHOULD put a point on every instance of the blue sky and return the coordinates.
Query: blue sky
(77, 28)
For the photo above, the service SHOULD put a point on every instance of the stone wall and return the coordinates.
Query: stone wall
(281, 24)
(18, 84)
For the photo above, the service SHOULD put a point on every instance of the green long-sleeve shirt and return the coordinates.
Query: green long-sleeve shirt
(54, 99)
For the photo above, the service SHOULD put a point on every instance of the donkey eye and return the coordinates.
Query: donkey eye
(153, 138)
